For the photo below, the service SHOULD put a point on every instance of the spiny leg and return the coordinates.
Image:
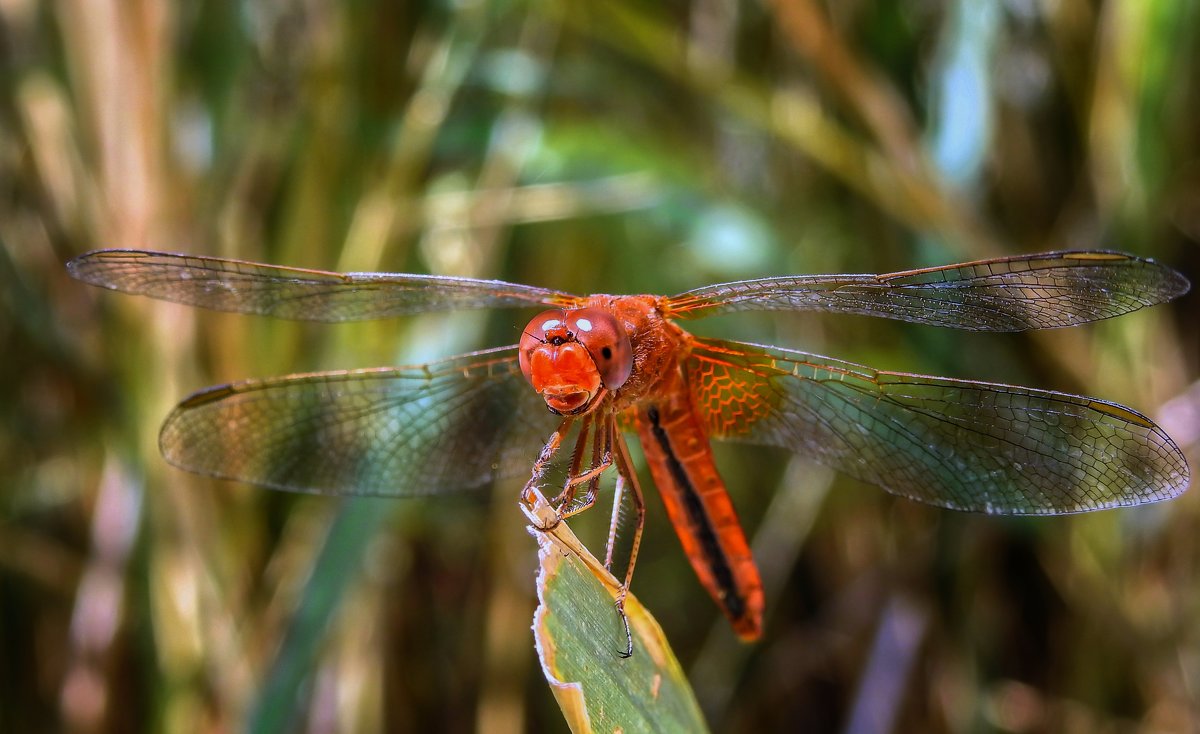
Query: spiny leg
(612, 536)
(614, 523)
(601, 461)
(543, 462)
(601, 455)
(626, 472)
(567, 495)
(625, 476)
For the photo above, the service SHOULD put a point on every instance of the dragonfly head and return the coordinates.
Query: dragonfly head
(570, 355)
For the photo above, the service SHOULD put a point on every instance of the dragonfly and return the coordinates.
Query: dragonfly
(607, 364)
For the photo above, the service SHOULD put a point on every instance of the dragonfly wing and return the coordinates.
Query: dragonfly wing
(953, 443)
(1041, 291)
(402, 431)
(296, 293)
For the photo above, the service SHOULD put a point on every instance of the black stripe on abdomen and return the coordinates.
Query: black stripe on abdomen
(694, 507)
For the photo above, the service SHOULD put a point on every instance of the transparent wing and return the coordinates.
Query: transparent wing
(953, 443)
(296, 293)
(438, 427)
(1041, 291)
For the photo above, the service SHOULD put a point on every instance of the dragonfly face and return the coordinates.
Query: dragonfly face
(607, 362)
(568, 355)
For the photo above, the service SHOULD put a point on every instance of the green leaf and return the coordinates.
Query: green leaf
(580, 639)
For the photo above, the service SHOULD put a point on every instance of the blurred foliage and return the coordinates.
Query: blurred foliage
(601, 146)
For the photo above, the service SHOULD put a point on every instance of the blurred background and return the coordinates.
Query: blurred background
(606, 146)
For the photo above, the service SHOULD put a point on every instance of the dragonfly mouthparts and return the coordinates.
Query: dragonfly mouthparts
(566, 400)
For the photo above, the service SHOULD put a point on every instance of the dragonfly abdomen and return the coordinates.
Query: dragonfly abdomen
(681, 462)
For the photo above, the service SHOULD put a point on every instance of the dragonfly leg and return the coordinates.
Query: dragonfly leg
(543, 463)
(567, 495)
(601, 461)
(626, 477)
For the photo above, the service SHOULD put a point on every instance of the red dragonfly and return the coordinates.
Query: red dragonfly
(603, 363)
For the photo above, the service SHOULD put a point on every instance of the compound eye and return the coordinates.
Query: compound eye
(606, 341)
(548, 327)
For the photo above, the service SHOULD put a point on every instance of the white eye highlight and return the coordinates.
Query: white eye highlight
(549, 324)
(583, 324)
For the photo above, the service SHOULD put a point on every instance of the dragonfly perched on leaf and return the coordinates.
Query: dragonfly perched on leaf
(602, 362)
